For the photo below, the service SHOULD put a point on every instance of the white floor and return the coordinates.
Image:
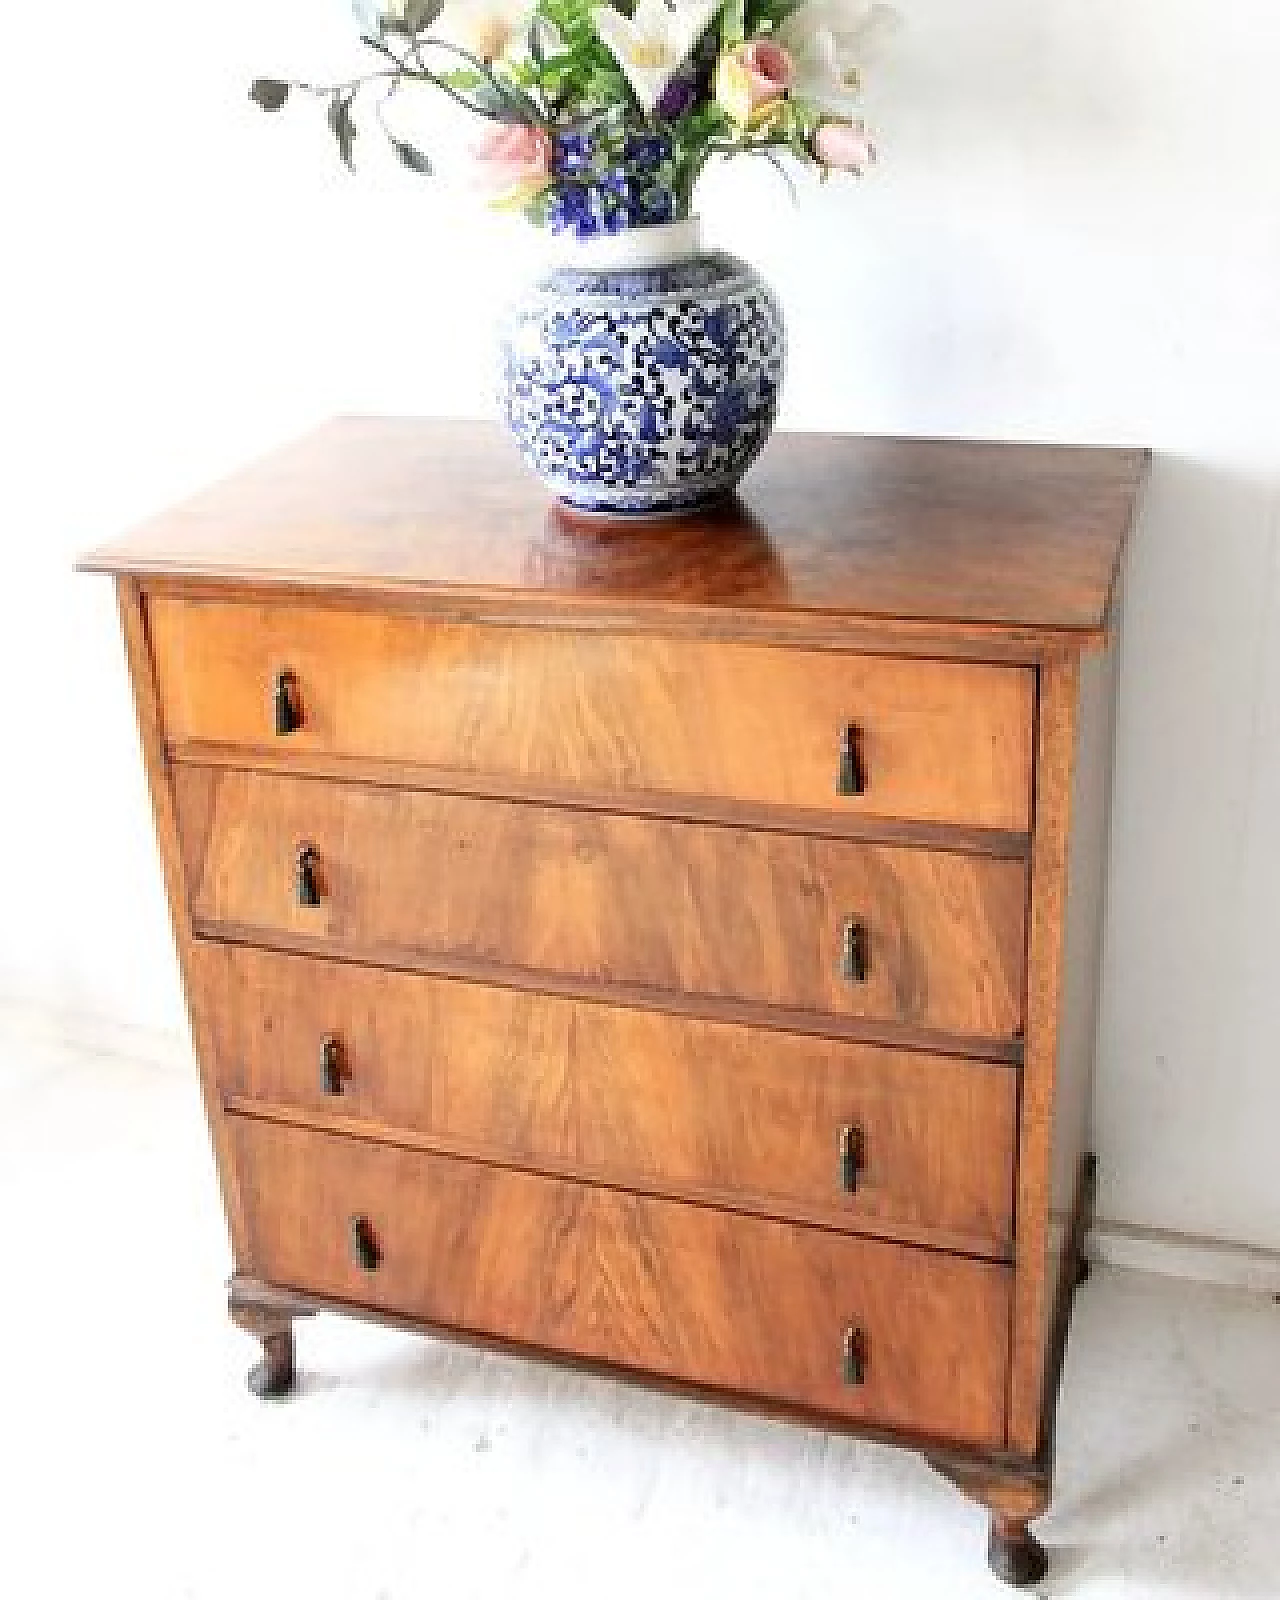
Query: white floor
(133, 1462)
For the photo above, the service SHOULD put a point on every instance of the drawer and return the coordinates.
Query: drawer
(614, 714)
(460, 883)
(740, 1116)
(685, 1291)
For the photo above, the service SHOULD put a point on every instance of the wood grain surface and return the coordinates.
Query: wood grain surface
(1035, 1283)
(681, 1290)
(987, 535)
(739, 1116)
(688, 908)
(1088, 852)
(583, 876)
(1076, 733)
(146, 698)
(943, 742)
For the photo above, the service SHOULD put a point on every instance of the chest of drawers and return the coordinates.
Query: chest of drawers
(672, 950)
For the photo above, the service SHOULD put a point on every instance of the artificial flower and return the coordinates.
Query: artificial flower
(844, 147)
(830, 42)
(577, 142)
(654, 42)
(490, 30)
(513, 164)
(395, 16)
(678, 96)
(574, 153)
(752, 80)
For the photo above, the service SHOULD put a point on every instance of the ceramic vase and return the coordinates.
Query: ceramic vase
(640, 375)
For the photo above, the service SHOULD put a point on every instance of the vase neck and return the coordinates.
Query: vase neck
(657, 245)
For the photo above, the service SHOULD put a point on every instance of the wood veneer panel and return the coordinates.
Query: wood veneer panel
(638, 802)
(1033, 1287)
(1077, 1027)
(686, 1291)
(940, 742)
(698, 910)
(133, 621)
(636, 1098)
(988, 535)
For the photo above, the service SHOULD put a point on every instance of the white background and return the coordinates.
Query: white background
(1074, 234)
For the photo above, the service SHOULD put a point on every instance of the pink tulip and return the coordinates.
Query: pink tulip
(844, 146)
(513, 161)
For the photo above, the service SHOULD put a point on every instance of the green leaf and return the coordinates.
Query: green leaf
(733, 23)
(418, 17)
(767, 14)
(269, 93)
(462, 78)
(503, 102)
(412, 157)
(342, 127)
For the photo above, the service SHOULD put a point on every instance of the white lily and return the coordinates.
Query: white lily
(654, 42)
(492, 30)
(830, 42)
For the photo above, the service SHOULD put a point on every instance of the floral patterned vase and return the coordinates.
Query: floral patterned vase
(641, 376)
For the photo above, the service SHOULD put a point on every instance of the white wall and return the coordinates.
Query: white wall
(1075, 234)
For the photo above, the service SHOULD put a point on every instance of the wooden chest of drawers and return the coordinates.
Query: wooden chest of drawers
(670, 949)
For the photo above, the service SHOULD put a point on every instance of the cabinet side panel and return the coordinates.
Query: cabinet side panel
(133, 617)
(1086, 903)
(1077, 732)
(1055, 747)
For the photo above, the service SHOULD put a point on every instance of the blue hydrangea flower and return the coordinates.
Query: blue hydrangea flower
(573, 153)
(570, 210)
(653, 205)
(647, 150)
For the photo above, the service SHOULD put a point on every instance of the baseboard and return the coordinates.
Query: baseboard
(53, 1028)
(1184, 1255)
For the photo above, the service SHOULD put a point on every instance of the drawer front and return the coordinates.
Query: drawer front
(683, 1291)
(686, 908)
(941, 742)
(852, 1136)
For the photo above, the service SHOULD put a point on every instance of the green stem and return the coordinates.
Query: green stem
(350, 86)
(515, 98)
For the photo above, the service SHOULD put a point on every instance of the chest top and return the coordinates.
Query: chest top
(1008, 546)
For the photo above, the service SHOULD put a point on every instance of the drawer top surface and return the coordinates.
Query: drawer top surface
(1014, 538)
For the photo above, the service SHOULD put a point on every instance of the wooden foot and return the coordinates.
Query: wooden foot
(1016, 1491)
(274, 1375)
(1014, 1554)
(1014, 1494)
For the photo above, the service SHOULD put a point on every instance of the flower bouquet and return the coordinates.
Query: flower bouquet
(643, 376)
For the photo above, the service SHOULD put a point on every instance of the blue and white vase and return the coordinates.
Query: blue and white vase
(641, 376)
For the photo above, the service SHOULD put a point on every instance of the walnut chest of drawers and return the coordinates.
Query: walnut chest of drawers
(671, 949)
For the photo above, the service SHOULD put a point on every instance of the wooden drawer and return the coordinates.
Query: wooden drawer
(610, 713)
(465, 885)
(739, 1116)
(685, 1291)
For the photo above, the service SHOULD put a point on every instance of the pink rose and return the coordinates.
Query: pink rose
(752, 78)
(769, 67)
(844, 146)
(513, 163)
